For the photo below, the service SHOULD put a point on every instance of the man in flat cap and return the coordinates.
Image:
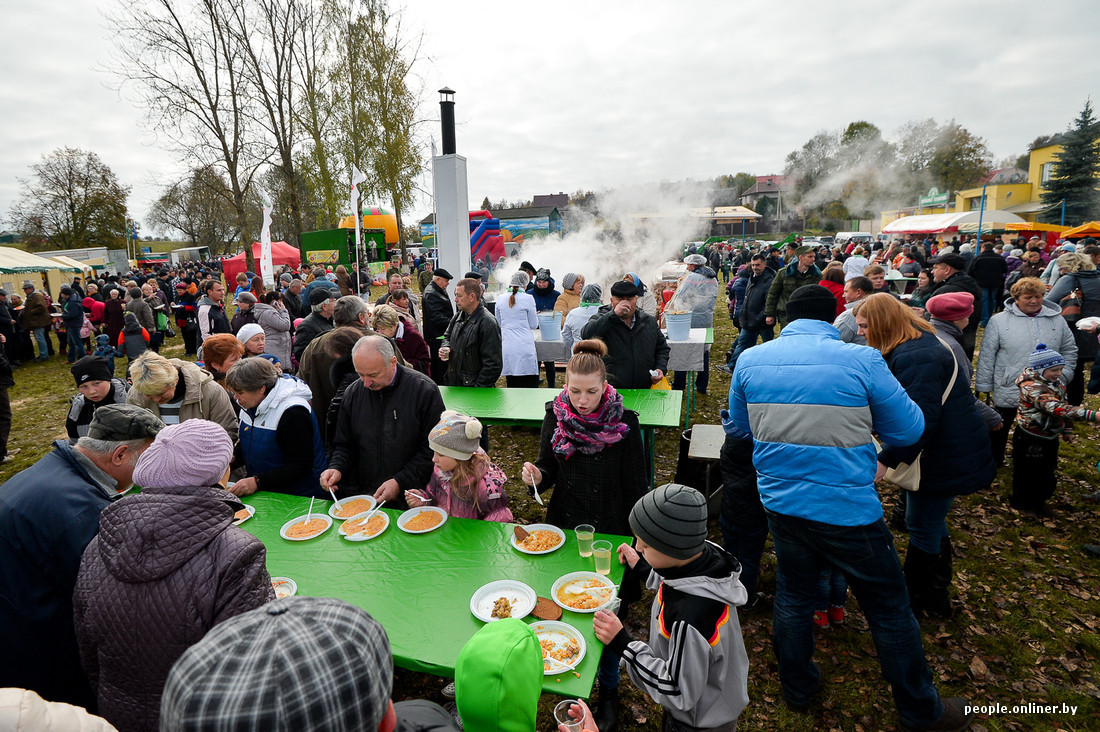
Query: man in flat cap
(637, 352)
(48, 514)
(800, 272)
(438, 311)
(949, 274)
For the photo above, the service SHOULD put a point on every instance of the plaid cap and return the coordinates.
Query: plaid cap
(121, 422)
(301, 663)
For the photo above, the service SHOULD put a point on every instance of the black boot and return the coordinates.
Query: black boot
(918, 578)
(897, 515)
(939, 596)
(607, 710)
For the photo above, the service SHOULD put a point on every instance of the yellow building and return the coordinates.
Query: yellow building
(1025, 199)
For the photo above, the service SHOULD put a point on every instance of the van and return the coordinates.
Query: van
(843, 238)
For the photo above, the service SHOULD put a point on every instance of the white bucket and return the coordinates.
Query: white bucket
(550, 325)
(679, 326)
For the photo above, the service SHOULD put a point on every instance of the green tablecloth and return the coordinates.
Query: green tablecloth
(655, 407)
(419, 586)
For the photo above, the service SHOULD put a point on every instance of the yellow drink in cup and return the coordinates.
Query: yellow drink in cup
(584, 539)
(601, 551)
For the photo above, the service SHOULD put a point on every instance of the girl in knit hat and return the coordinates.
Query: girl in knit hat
(1044, 416)
(465, 482)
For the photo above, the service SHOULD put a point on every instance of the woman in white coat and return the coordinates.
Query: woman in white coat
(517, 318)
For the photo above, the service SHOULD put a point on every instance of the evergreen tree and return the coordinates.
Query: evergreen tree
(1076, 174)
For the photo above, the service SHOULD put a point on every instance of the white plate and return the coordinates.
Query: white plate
(300, 519)
(539, 527)
(522, 597)
(363, 536)
(412, 512)
(286, 585)
(582, 577)
(560, 633)
(332, 509)
(251, 512)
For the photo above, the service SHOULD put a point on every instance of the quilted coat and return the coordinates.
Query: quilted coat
(276, 325)
(166, 567)
(1009, 339)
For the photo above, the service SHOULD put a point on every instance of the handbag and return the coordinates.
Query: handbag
(907, 475)
(87, 329)
(1071, 303)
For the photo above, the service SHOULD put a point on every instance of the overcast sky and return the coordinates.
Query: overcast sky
(570, 95)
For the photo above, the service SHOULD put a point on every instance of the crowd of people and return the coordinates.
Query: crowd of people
(309, 387)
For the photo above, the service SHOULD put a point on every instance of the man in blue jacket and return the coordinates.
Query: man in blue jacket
(810, 403)
(48, 514)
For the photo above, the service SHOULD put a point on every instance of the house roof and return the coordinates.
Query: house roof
(528, 212)
(557, 200)
(769, 184)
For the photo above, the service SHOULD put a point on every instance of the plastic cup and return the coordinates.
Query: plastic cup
(562, 716)
(584, 539)
(611, 606)
(601, 552)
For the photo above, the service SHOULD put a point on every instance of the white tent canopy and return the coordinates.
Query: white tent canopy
(940, 223)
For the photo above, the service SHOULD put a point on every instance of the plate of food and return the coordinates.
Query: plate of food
(350, 507)
(305, 527)
(243, 515)
(421, 520)
(284, 587)
(562, 643)
(582, 592)
(502, 599)
(537, 538)
(361, 528)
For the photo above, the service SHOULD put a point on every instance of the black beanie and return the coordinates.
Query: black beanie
(813, 302)
(672, 519)
(91, 368)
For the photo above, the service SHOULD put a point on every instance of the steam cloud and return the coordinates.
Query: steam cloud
(639, 229)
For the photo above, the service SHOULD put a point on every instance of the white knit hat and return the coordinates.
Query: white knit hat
(247, 331)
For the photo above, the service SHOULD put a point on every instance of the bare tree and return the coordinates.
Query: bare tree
(315, 112)
(72, 200)
(268, 33)
(393, 94)
(201, 208)
(193, 78)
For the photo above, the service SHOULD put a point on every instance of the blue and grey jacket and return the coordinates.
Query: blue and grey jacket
(258, 429)
(810, 403)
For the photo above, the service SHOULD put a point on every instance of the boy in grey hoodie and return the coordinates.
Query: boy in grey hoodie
(695, 665)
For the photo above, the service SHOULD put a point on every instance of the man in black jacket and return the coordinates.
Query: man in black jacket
(989, 270)
(438, 312)
(471, 346)
(381, 442)
(752, 312)
(322, 301)
(947, 272)
(637, 352)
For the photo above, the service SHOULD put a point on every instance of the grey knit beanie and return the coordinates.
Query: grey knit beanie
(456, 436)
(569, 280)
(672, 519)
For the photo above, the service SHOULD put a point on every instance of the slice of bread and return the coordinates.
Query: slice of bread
(521, 533)
(546, 609)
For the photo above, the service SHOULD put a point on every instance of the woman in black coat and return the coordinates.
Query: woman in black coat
(954, 451)
(591, 455)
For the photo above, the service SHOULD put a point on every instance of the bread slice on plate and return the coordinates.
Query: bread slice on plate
(521, 533)
(546, 609)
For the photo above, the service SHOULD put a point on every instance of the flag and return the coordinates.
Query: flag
(357, 177)
(790, 238)
(435, 153)
(267, 270)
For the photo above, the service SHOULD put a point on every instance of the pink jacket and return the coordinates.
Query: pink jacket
(492, 499)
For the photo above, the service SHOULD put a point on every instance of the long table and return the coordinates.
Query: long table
(418, 586)
(527, 407)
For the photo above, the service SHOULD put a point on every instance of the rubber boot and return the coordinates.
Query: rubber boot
(897, 515)
(607, 710)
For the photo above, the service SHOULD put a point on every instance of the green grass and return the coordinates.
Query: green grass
(1030, 630)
